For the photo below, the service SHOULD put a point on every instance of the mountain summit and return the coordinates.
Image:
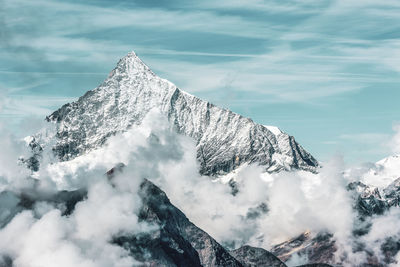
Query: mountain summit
(224, 139)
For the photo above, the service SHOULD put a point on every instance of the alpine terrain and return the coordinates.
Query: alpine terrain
(225, 140)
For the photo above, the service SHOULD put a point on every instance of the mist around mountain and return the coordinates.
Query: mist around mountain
(138, 172)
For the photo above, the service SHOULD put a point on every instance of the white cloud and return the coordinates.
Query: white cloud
(84, 238)
(296, 202)
(21, 105)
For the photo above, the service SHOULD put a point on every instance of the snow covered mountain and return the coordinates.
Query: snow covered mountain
(378, 188)
(224, 139)
(383, 172)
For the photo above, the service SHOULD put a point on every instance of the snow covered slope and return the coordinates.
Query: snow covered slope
(383, 172)
(225, 140)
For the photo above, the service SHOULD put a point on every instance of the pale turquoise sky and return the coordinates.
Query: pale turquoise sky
(327, 72)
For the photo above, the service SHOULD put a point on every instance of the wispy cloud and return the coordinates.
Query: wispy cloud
(23, 105)
(80, 18)
(365, 137)
(287, 71)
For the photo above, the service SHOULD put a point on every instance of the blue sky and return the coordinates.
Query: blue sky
(327, 72)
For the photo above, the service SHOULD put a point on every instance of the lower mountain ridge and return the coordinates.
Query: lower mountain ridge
(174, 242)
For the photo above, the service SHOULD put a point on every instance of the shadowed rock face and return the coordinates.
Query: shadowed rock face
(315, 265)
(367, 200)
(10, 201)
(180, 239)
(256, 257)
(177, 241)
(392, 193)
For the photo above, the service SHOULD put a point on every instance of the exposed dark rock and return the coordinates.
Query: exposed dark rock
(9, 207)
(33, 162)
(178, 235)
(390, 248)
(367, 199)
(315, 265)
(6, 261)
(256, 257)
(64, 200)
(234, 187)
(258, 211)
(392, 193)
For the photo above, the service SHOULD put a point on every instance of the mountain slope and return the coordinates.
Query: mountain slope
(179, 233)
(224, 139)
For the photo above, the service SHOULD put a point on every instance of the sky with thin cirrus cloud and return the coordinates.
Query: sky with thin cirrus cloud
(326, 72)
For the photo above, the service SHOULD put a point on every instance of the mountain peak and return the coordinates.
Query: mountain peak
(224, 139)
(131, 54)
(130, 65)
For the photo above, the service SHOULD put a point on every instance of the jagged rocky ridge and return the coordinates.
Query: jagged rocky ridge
(224, 139)
(251, 256)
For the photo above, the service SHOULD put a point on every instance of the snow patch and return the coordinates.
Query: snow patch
(275, 130)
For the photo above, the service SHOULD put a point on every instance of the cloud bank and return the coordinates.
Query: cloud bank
(254, 208)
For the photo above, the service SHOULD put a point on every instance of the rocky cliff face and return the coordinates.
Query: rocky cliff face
(369, 200)
(181, 240)
(224, 139)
